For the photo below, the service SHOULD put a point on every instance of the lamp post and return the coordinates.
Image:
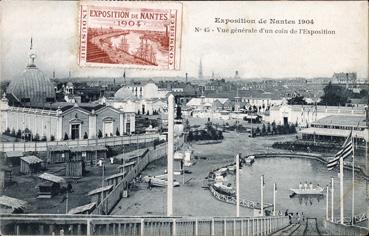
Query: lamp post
(274, 195)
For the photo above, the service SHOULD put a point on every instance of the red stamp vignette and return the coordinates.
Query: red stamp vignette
(130, 34)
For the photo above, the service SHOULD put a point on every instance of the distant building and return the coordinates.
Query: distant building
(344, 78)
(337, 128)
(209, 104)
(305, 115)
(150, 99)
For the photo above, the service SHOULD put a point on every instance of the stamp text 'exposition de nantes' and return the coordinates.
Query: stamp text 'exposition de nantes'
(126, 14)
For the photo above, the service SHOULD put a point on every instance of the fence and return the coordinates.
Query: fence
(232, 200)
(109, 202)
(116, 225)
(107, 141)
(340, 229)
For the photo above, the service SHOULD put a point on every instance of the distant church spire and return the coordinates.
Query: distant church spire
(200, 70)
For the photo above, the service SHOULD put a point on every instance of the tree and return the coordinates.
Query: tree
(99, 135)
(13, 133)
(297, 100)
(36, 137)
(66, 136)
(334, 95)
(7, 131)
(19, 133)
(117, 133)
(263, 129)
(268, 128)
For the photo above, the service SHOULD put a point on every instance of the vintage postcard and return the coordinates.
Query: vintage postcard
(184, 118)
(130, 35)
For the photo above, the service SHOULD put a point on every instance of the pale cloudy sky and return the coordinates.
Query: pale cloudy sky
(53, 26)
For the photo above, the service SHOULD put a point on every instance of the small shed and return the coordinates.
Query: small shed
(114, 179)
(12, 205)
(13, 158)
(5, 176)
(85, 209)
(88, 154)
(96, 193)
(50, 186)
(57, 154)
(30, 164)
(75, 168)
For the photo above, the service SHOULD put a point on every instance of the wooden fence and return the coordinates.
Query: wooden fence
(107, 141)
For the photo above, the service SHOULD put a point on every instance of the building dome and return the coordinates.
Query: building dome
(32, 87)
(124, 93)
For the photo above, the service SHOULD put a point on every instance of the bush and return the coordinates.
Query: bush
(7, 131)
(85, 136)
(52, 138)
(36, 137)
(66, 136)
(99, 135)
(43, 139)
(117, 133)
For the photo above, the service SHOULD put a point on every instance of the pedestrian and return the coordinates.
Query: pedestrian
(298, 217)
(149, 184)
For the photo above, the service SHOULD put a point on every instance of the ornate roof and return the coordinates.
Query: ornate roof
(124, 93)
(32, 86)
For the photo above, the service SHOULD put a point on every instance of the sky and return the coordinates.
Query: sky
(54, 29)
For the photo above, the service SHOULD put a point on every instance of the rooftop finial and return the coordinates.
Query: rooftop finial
(32, 55)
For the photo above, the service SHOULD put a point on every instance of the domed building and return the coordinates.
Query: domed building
(29, 110)
(124, 94)
(32, 88)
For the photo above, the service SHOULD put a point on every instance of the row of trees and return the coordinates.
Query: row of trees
(27, 135)
(99, 134)
(274, 129)
(334, 95)
(209, 133)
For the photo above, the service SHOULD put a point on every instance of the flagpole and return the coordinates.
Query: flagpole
(332, 200)
(238, 185)
(262, 195)
(274, 190)
(327, 205)
(341, 189)
(353, 180)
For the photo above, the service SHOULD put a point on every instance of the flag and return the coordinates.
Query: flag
(345, 152)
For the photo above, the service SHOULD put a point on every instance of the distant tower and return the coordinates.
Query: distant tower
(186, 78)
(53, 74)
(200, 70)
(124, 77)
(69, 74)
(236, 75)
(212, 75)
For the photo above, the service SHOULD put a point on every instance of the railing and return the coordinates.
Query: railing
(232, 200)
(37, 224)
(109, 202)
(107, 141)
(348, 219)
(333, 228)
